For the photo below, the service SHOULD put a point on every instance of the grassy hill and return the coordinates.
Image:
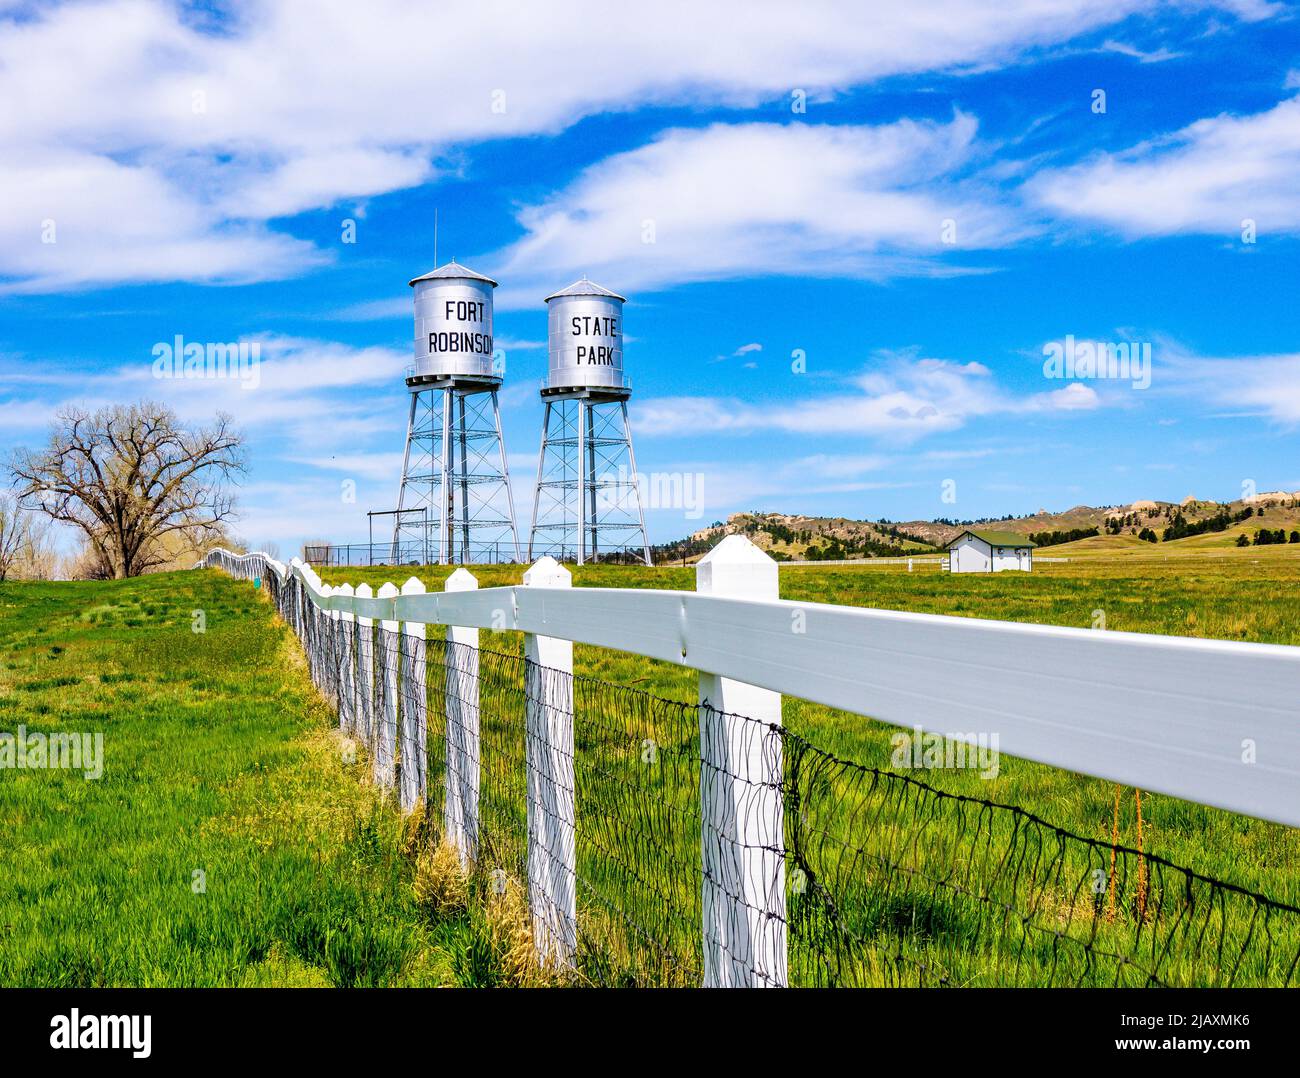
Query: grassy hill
(1119, 529)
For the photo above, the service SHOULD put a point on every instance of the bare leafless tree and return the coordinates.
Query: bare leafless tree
(16, 527)
(131, 477)
(37, 559)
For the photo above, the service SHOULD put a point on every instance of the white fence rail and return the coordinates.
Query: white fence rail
(1209, 721)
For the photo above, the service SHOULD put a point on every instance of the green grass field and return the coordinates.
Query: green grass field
(220, 757)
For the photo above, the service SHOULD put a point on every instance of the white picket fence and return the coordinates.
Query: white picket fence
(1209, 721)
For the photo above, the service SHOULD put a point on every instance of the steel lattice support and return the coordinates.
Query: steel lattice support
(587, 502)
(455, 504)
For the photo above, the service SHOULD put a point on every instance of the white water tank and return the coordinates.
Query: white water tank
(453, 324)
(585, 338)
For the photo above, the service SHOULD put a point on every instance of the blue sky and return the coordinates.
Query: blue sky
(949, 200)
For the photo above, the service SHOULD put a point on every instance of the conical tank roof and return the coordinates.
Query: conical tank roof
(453, 270)
(585, 287)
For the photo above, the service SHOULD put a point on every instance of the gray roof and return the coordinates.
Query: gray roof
(585, 288)
(453, 270)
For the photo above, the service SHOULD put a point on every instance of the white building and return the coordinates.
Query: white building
(990, 552)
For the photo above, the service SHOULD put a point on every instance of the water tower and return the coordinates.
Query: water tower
(455, 503)
(587, 502)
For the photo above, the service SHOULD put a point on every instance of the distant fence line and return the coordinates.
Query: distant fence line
(927, 559)
(418, 552)
(666, 843)
(414, 553)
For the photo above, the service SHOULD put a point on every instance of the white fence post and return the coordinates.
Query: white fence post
(412, 755)
(295, 616)
(386, 676)
(552, 860)
(309, 633)
(741, 801)
(460, 812)
(324, 625)
(365, 694)
(334, 659)
(319, 641)
(347, 666)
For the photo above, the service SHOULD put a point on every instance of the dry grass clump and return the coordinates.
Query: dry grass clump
(417, 831)
(496, 950)
(509, 929)
(441, 884)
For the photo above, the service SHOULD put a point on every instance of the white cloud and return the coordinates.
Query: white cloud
(1154, 56)
(74, 217)
(762, 198)
(319, 411)
(382, 467)
(1267, 386)
(323, 177)
(1072, 398)
(162, 147)
(729, 485)
(740, 353)
(290, 513)
(1208, 177)
(948, 456)
(319, 393)
(905, 399)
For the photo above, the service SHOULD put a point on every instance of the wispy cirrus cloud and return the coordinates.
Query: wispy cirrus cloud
(321, 391)
(1267, 386)
(1208, 178)
(1152, 56)
(903, 400)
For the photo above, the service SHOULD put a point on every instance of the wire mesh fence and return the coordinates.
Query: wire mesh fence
(663, 843)
(898, 883)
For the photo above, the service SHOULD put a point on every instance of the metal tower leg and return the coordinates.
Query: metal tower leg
(445, 492)
(505, 473)
(406, 464)
(466, 555)
(580, 488)
(537, 490)
(591, 479)
(636, 484)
